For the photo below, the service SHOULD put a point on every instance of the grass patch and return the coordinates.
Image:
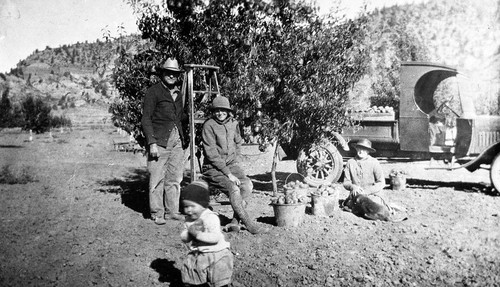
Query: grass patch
(24, 175)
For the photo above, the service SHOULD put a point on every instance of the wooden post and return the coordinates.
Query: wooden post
(191, 123)
(273, 168)
(189, 78)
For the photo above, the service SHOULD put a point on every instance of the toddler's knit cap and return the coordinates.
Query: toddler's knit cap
(198, 192)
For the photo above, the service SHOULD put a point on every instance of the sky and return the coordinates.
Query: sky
(27, 25)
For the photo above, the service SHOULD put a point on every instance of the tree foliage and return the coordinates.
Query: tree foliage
(36, 115)
(392, 39)
(5, 109)
(434, 32)
(38, 118)
(10, 114)
(286, 70)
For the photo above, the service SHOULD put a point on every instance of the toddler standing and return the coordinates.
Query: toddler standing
(209, 259)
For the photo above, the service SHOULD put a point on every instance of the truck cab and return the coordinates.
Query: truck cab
(429, 123)
(420, 129)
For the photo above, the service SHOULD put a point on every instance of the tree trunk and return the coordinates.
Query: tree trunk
(273, 168)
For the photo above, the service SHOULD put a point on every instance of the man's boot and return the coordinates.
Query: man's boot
(241, 213)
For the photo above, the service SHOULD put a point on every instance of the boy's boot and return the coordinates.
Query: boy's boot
(241, 213)
(236, 219)
(235, 224)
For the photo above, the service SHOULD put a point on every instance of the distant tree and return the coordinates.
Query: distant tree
(10, 115)
(5, 109)
(17, 119)
(36, 114)
(60, 121)
(391, 40)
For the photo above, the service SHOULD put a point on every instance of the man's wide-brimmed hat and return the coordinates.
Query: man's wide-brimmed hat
(169, 65)
(221, 102)
(366, 144)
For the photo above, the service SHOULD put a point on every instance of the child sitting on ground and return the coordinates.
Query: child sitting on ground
(363, 173)
(209, 259)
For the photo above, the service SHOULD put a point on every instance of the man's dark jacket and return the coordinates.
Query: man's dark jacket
(161, 114)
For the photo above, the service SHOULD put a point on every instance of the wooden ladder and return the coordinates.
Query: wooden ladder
(212, 88)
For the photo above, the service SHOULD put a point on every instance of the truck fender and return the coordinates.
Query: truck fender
(485, 157)
(341, 141)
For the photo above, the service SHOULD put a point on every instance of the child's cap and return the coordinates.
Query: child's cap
(221, 102)
(196, 191)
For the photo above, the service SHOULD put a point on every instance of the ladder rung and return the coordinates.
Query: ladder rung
(206, 92)
(201, 66)
(199, 120)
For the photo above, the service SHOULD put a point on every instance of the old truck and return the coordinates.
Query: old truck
(472, 143)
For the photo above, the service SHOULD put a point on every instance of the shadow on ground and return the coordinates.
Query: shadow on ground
(271, 220)
(471, 187)
(132, 188)
(263, 181)
(167, 272)
(11, 146)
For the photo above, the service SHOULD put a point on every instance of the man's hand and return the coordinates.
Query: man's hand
(153, 150)
(234, 179)
(356, 190)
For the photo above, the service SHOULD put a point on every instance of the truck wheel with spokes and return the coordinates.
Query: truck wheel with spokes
(320, 164)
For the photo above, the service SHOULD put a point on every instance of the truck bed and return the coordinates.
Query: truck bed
(380, 128)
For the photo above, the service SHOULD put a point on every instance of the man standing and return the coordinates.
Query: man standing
(162, 120)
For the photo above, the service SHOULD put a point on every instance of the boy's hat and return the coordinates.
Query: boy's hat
(196, 191)
(221, 102)
(366, 144)
(170, 64)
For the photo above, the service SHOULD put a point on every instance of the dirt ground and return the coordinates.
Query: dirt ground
(83, 222)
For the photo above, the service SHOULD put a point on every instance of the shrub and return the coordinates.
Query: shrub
(36, 115)
(23, 176)
(60, 121)
(5, 109)
(10, 115)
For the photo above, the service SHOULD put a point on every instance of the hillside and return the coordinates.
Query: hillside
(72, 78)
(464, 35)
(72, 72)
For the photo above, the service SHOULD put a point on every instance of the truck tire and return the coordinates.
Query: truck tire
(320, 165)
(495, 172)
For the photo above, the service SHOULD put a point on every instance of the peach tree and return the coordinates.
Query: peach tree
(282, 66)
(286, 70)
